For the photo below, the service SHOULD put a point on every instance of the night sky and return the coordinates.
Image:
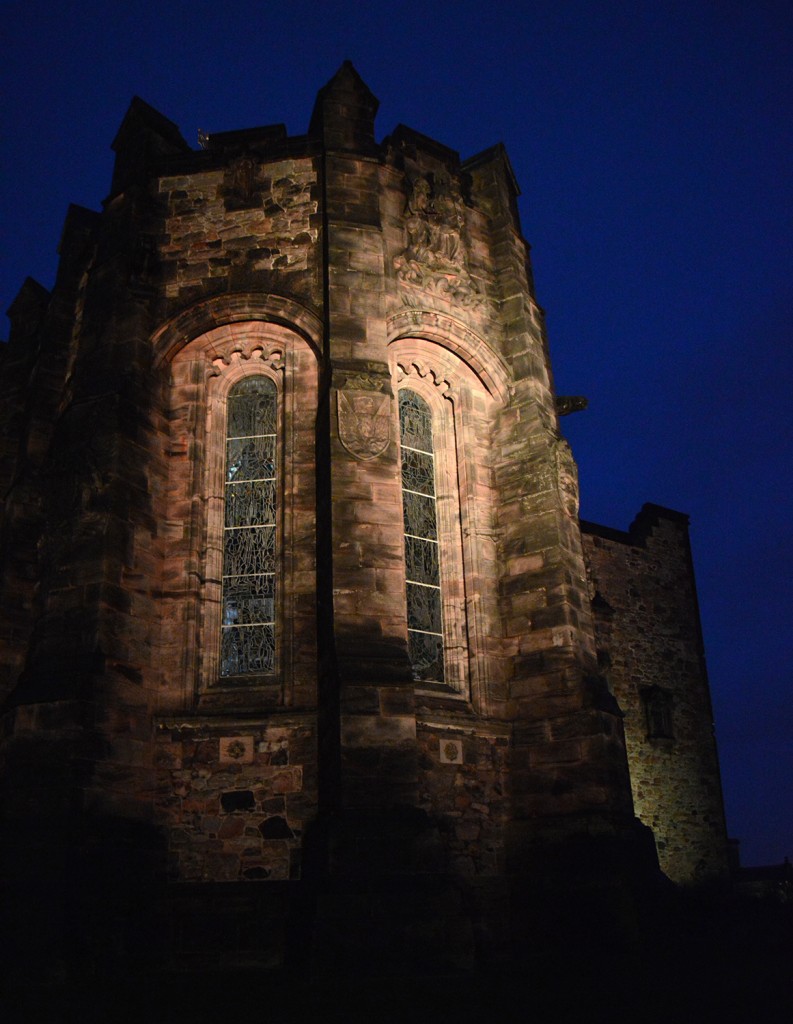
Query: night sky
(653, 142)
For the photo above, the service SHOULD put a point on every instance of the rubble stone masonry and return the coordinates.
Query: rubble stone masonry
(650, 645)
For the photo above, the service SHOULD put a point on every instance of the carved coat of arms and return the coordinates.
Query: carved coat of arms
(364, 423)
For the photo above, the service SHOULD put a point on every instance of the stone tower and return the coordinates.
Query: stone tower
(297, 617)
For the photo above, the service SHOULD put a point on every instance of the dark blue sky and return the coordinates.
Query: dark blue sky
(653, 142)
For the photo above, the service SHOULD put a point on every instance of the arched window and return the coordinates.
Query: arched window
(238, 500)
(250, 530)
(422, 547)
(446, 423)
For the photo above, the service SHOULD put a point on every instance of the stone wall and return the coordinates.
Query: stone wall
(463, 785)
(236, 799)
(650, 648)
(342, 269)
(245, 215)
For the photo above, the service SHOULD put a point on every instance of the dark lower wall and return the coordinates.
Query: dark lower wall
(463, 787)
(235, 798)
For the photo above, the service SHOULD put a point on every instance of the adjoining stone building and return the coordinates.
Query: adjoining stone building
(295, 598)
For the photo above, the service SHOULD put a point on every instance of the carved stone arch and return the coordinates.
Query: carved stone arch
(234, 313)
(447, 333)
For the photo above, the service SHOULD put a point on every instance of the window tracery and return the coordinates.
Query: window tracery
(249, 538)
(422, 548)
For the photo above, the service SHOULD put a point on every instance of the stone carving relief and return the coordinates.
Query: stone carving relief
(236, 749)
(364, 422)
(434, 258)
(451, 751)
(363, 382)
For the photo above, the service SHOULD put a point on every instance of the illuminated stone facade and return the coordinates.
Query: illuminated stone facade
(343, 272)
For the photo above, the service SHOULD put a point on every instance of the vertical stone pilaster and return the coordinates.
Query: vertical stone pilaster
(377, 719)
(376, 712)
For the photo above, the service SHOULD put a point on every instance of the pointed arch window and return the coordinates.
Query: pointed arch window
(247, 642)
(422, 547)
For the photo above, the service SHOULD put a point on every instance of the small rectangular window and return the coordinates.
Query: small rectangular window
(658, 712)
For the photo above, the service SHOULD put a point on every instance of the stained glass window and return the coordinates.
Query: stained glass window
(422, 556)
(249, 548)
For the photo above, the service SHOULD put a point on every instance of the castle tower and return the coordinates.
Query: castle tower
(295, 598)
